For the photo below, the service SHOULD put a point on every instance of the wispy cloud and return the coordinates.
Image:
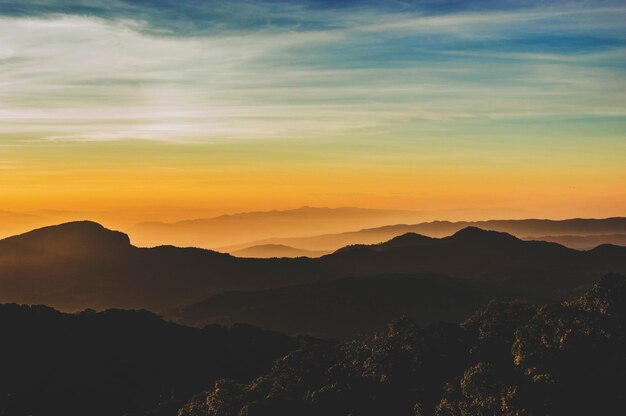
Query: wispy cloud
(101, 71)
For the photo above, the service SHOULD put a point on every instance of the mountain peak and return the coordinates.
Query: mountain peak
(478, 235)
(408, 239)
(76, 237)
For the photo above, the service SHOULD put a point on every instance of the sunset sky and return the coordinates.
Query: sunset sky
(164, 110)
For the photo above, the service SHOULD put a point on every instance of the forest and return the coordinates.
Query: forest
(507, 358)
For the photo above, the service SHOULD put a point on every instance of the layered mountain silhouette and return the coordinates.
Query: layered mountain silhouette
(583, 242)
(574, 233)
(83, 265)
(277, 250)
(237, 228)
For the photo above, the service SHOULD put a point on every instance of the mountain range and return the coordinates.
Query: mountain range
(241, 227)
(578, 233)
(81, 265)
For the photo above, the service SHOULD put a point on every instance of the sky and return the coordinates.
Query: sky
(165, 110)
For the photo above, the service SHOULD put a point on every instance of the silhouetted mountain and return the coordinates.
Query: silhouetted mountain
(520, 228)
(119, 362)
(497, 265)
(531, 269)
(341, 308)
(506, 359)
(163, 278)
(73, 239)
(401, 241)
(267, 251)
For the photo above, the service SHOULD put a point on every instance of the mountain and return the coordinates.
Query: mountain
(74, 239)
(83, 265)
(119, 362)
(529, 268)
(484, 265)
(593, 229)
(276, 250)
(238, 228)
(341, 308)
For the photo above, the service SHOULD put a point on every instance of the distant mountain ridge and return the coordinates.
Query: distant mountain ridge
(584, 233)
(277, 251)
(583, 242)
(237, 228)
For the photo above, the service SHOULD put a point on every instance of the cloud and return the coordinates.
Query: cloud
(194, 71)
